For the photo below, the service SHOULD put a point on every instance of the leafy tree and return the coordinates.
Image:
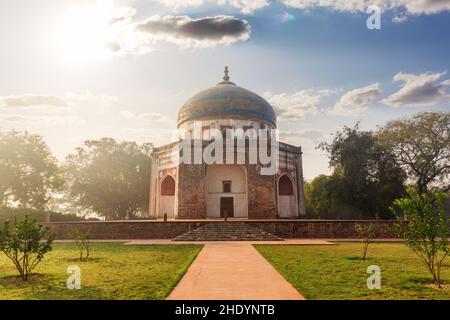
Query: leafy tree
(425, 227)
(82, 240)
(28, 171)
(368, 179)
(110, 178)
(322, 199)
(367, 233)
(421, 146)
(22, 243)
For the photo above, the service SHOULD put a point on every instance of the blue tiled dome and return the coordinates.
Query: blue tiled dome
(227, 101)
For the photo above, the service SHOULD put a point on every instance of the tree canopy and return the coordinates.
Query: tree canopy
(110, 178)
(322, 198)
(421, 146)
(365, 180)
(372, 169)
(28, 171)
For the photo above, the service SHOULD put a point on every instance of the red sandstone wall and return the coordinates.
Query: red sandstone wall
(261, 193)
(325, 228)
(168, 230)
(191, 191)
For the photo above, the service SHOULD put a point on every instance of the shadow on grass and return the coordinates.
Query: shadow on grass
(360, 259)
(85, 261)
(16, 279)
(427, 283)
(354, 258)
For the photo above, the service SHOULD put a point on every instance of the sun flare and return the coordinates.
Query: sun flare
(83, 32)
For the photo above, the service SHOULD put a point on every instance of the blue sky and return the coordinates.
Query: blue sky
(315, 61)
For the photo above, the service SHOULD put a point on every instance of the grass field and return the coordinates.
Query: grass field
(116, 271)
(335, 271)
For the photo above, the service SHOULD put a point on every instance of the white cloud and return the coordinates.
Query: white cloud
(417, 7)
(72, 109)
(412, 7)
(203, 32)
(418, 90)
(246, 6)
(51, 102)
(294, 106)
(357, 100)
(42, 120)
(123, 15)
(176, 4)
(29, 100)
(128, 37)
(339, 5)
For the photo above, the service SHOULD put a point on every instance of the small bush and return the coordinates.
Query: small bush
(425, 227)
(367, 233)
(22, 242)
(82, 239)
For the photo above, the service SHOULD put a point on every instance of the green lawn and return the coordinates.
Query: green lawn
(116, 271)
(335, 272)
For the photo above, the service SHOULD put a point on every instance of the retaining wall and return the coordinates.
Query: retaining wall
(110, 230)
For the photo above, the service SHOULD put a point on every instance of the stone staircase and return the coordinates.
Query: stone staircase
(227, 231)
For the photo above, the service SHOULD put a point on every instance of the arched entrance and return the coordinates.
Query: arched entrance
(226, 188)
(167, 199)
(286, 197)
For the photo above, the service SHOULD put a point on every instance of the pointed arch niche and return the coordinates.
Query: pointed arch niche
(286, 197)
(167, 197)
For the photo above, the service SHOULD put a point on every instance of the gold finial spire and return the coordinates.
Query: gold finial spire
(226, 77)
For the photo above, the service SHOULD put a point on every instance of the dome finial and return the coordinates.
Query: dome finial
(226, 77)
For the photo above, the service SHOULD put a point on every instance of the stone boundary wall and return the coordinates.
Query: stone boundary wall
(344, 229)
(110, 230)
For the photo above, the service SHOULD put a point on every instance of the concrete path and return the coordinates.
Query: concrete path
(232, 271)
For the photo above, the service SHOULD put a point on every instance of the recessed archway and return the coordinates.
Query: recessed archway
(226, 188)
(167, 197)
(286, 198)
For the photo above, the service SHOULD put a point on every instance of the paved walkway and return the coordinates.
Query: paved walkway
(287, 241)
(232, 271)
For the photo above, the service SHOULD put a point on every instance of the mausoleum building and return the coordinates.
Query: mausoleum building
(228, 187)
